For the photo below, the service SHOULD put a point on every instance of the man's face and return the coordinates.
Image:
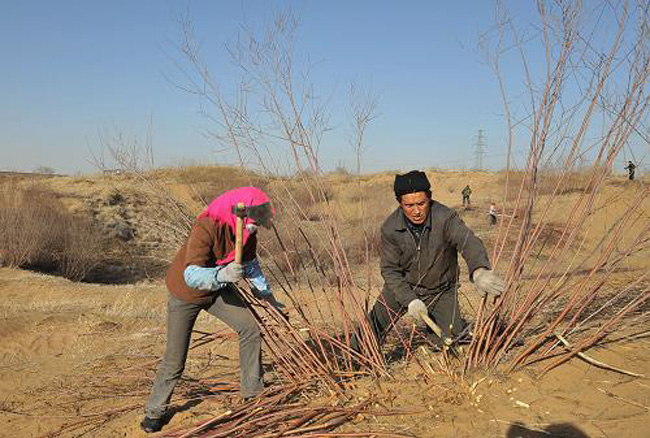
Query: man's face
(416, 206)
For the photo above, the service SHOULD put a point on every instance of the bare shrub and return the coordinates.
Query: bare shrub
(78, 248)
(275, 127)
(571, 276)
(36, 231)
(23, 225)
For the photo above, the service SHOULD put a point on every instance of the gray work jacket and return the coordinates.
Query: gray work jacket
(410, 269)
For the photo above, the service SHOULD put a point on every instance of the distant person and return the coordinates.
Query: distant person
(631, 168)
(467, 192)
(492, 214)
(420, 242)
(202, 277)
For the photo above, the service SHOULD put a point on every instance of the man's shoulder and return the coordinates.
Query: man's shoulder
(392, 221)
(439, 210)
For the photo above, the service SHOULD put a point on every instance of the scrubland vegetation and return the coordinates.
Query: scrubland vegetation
(572, 241)
(120, 213)
(37, 231)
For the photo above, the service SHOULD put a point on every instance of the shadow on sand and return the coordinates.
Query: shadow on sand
(561, 430)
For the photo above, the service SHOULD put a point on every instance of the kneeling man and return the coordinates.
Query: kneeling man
(420, 242)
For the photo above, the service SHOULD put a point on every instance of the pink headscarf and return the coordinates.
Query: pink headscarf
(220, 210)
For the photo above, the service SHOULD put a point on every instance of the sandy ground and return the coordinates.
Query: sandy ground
(72, 352)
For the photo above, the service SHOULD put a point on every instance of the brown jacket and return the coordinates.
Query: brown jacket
(208, 242)
(411, 270)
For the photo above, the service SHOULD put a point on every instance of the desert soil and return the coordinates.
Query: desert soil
(74, 352)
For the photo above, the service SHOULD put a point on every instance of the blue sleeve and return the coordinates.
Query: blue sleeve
(253, 272)
(200, 278)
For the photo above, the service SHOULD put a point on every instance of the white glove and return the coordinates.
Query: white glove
(488, 282)
(417, 308)
(252, 228)
(232, 273)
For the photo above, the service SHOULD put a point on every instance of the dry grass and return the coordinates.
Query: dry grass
(37, 231)
(551, 180)
(302, 265)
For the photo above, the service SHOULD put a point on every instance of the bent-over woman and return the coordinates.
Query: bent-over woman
(201, 277)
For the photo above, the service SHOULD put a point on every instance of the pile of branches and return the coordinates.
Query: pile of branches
(281, 411)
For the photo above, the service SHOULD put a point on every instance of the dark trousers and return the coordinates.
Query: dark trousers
(443, 309)
(181, 316)
(466, 200)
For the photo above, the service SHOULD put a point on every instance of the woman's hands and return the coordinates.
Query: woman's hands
(231, 273)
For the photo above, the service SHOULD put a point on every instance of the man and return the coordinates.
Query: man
(466, 193)
(631, 167)
(420, 242)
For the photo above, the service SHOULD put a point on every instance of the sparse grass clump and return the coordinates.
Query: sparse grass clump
(552, 180)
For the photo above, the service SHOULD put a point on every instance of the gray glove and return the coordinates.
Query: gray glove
(417, 308)
(487, 281)
(232, 273)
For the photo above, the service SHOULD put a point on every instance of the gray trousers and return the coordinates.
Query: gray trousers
(181, 316)
(443, 309)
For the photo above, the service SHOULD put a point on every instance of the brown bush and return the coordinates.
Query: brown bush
(78, 249)
(23, 225)
(36, 231)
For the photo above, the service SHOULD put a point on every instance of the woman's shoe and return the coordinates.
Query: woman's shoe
(151, 425)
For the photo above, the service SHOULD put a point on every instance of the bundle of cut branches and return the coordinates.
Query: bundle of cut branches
(281, 411)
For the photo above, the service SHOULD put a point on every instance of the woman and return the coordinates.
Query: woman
(201, 277)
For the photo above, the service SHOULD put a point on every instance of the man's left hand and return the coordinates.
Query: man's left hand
(488, 282)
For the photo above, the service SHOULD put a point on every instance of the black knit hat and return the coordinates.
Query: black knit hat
(414, 181)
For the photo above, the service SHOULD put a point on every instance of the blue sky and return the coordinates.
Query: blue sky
(74, 69)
